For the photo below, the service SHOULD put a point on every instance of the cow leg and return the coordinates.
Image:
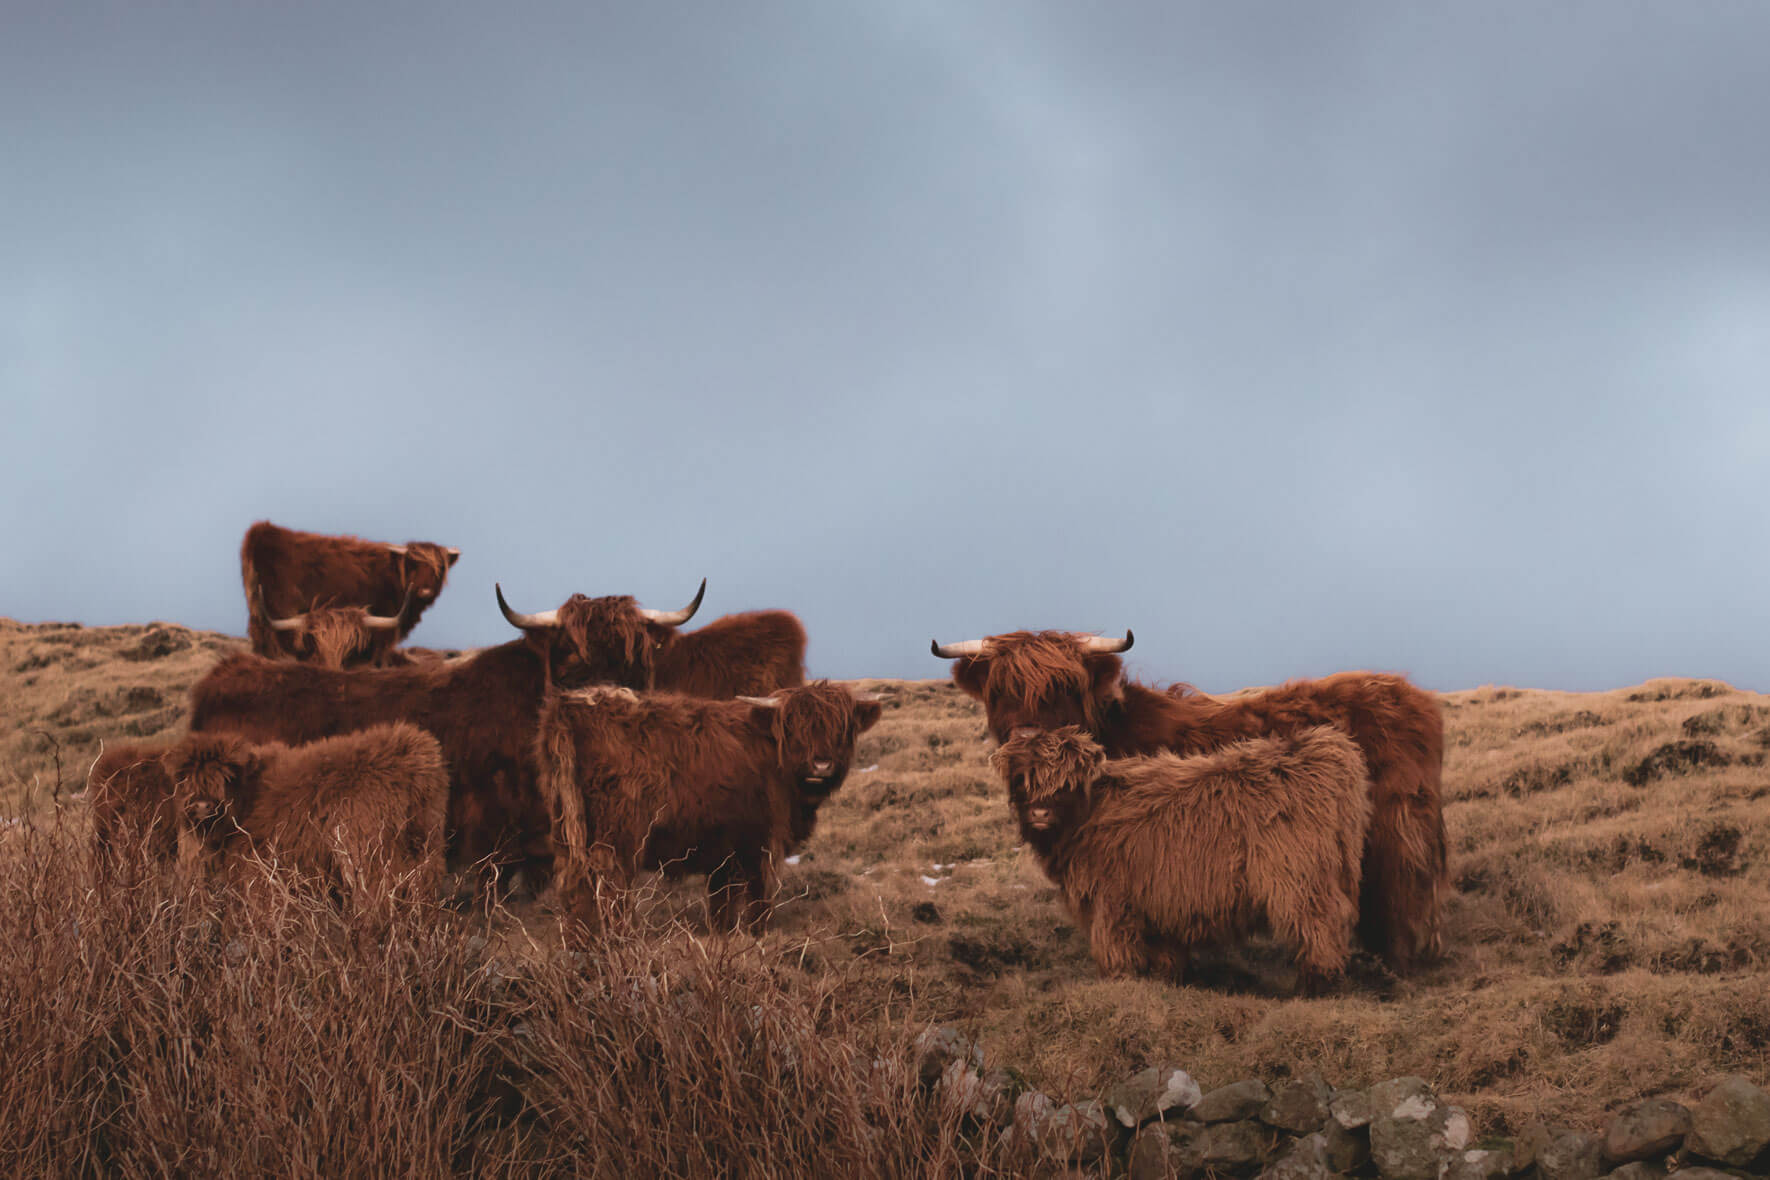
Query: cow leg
(725, 889)
(1169, 957)
(761, 883)
(1317, 920)
(1404, 874)
(1116, 938)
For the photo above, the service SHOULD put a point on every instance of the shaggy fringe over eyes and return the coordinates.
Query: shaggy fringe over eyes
(339, 632)
(813, 722)
(1050, 761)
(427, 557)
(590, 623)
(1039, 667)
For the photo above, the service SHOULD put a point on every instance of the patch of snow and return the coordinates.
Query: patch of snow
(931, 882)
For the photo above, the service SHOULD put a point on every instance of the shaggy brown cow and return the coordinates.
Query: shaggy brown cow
(345, 636)
(131, 800)
(1155, 856)
(1047, 679)
(482, 708)
(290, 572)
(339, 809)
(725, 788)
(749, 654)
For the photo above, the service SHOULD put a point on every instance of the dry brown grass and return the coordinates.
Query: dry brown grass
(153, 1026)
(1608, 931)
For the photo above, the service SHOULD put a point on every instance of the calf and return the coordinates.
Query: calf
(1157, 855)
(338, 809)
(725, 788)
(131, 799)
(1045, 679)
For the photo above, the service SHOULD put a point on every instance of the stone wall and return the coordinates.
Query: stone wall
(1158, 1123)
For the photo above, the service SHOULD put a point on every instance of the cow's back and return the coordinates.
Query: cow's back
(747, 654)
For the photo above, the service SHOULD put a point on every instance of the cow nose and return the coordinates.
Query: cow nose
(1024, 731)
(822, 767)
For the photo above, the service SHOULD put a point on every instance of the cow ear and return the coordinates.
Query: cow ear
(867, 714)
(452, 555)
(971, 673)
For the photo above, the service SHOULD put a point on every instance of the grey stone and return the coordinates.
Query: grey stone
(938, 1047)
(1479, 1164)
(1640, 1170)
(1306, 1160)
(1414, 1137)
(1155, 1151)
(1559, 1153)
(1704, 1174)
(1646, 1130)
(1079, 1132)
(1388, 1098)
(1151, 1094)
(1346, 1150)
(1239, 1147)
(988, 1097)
(1299, 1107)
(1231, 1103)
(1731, 1125)
(1351, 1108)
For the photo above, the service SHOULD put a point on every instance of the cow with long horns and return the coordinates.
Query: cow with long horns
(346, 636)
(686, 785)
(1050, 679)
(481, 708)
(288, 572)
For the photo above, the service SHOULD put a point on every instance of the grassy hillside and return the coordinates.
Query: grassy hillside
(1608, 933)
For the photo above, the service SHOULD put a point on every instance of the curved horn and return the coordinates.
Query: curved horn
(1101, 645)
(674, 618)
(292, 623)
(765, 702)
(547, 618)
(390, 622)
(953, 651)
(399, 549)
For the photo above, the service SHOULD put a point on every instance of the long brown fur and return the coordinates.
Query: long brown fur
(131, 800)
(686, 785)
(748, 654)
(291, 572)
(340, 637)
(481, 707)
(1157, 855)
(335, 809)
(1045, 680)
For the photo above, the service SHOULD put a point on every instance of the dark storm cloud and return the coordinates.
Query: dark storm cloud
(1295, 336)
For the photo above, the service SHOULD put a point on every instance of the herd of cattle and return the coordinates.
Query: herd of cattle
(604, 741)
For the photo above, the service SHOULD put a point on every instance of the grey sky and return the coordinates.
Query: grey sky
(1295, 336)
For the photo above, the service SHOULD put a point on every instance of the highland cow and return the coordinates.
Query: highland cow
(341, 810)
(724, 788)
(749, 654)
(131, 800)
(482, 708)
(1048, 679)
(287, 572)
(345, 636)
(1156, 856)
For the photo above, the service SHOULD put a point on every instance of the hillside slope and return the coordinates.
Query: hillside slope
(1608, 932)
